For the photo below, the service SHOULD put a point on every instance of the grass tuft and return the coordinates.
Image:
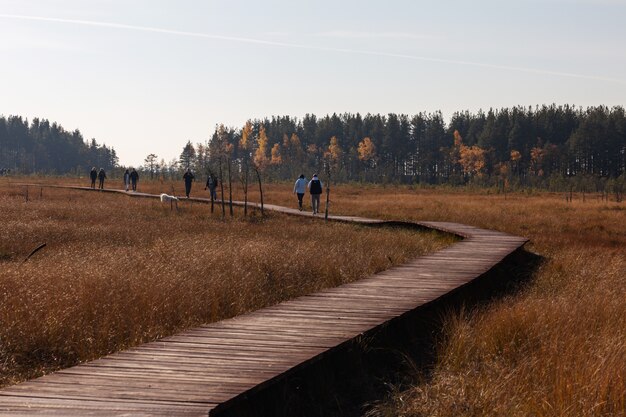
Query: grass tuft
(118, 271)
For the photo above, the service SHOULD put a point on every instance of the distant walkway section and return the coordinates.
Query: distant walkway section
(208, 369)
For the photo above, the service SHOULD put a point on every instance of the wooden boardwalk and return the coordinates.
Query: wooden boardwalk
(206, 369)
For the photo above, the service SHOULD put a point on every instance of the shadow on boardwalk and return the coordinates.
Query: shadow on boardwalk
(362, 371)
(323, 354)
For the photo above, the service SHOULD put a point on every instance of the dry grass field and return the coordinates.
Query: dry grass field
(557, 348)
(119, 271)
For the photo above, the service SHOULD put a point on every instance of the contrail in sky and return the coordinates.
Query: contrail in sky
(309, 47)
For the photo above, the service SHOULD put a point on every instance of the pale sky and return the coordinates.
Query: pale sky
(147, 76)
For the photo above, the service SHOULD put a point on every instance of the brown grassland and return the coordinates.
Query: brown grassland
(120, 271)
(555, 348)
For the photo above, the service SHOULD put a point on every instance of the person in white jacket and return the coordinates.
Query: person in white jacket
(126, 180)
(299, 188)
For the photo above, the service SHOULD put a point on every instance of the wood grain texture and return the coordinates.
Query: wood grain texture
(204, 368)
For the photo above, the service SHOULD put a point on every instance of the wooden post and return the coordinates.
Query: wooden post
(328, 175)
(245, 191)
(230, 188)
(258, 177)
(222, 188)
(327, 199)
(212, 177)
(26, 194)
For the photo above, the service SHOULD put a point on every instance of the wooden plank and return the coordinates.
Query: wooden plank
(76, 403)
(203, 369)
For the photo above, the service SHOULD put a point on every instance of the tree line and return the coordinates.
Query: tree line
(44, 147)
(545, 146)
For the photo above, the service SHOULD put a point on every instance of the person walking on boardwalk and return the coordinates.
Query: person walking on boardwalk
(211, 184)
(134, 177)
(315, 188)
(93, 175)
(188, 177)
(299, 188)
(126, 180)
(101, 176)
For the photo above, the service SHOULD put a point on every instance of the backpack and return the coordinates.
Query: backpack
(316, 187)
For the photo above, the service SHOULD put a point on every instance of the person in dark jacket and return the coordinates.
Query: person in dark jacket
(94, 176)
(101, 176)
(315, 188)
(134, 177)
(188, 177)
(211, 184)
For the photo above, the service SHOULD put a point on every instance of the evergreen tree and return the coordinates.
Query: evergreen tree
(43, 147)
(187, 156)
(150, 164)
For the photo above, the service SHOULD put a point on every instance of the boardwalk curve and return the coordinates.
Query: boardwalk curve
(207, 369)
